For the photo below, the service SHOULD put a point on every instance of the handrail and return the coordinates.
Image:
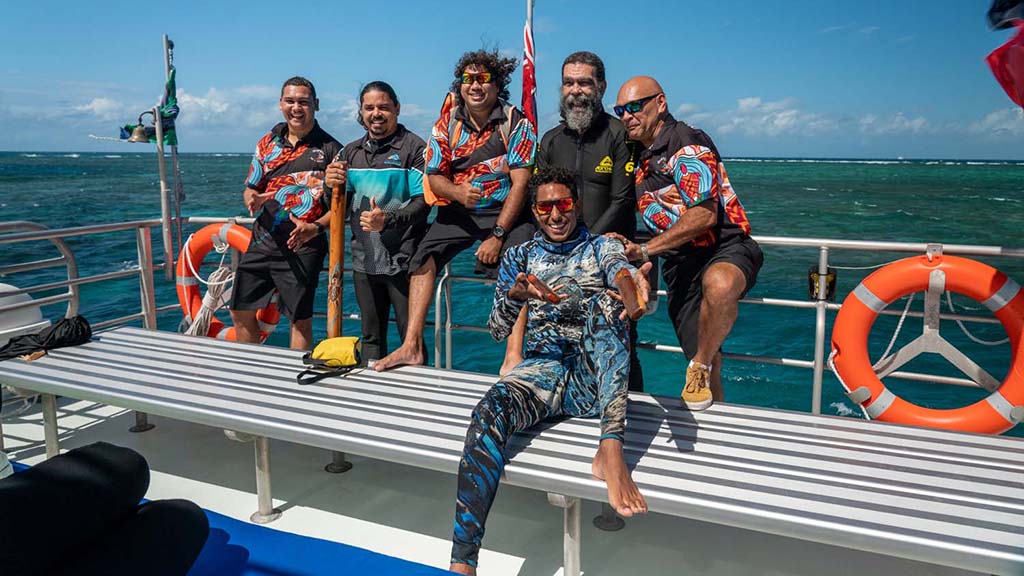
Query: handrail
(67, 258)
(821, 306)
(445, 326)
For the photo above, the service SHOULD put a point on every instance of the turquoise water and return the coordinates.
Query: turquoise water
(920, 201)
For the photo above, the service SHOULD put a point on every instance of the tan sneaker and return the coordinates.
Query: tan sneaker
(697, 392)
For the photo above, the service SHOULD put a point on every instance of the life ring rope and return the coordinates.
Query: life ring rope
(933, 274)
(199, 308)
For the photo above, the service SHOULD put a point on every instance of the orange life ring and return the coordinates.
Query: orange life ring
(995, 414)
(190, 295)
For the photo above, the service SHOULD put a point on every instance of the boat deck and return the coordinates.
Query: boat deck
(406, 512)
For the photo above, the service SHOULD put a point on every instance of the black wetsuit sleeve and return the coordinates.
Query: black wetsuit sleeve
(619, 217)
(415, 210)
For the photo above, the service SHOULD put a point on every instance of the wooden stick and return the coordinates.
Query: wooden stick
(336, 264)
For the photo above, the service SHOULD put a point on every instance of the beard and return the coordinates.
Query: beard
(579, 111)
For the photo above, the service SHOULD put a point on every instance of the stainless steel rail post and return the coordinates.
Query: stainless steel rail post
(448, 320)
(608, 521)
(147, 293)
(820, 307)
(266, 511)
(338, 463)
(441, 287)
(570, 532)
(50, 425)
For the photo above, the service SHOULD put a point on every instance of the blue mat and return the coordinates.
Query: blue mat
(240, 548)
(237, 548)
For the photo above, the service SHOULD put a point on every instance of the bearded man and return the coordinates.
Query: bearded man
(593, 144)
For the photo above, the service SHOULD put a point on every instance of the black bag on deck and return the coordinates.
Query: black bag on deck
(67, 332)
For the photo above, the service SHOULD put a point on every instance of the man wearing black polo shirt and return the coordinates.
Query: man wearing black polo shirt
(700, 230)
(478, 161)
(285, 191)
(593, 144)
(386, 212)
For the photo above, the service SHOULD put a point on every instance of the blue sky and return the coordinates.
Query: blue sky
(819, 79)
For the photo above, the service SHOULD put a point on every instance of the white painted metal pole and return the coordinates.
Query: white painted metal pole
(819, 330)
(50, 432)
(165, 198)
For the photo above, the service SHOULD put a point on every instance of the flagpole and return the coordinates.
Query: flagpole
(179, 192)
(165, 194)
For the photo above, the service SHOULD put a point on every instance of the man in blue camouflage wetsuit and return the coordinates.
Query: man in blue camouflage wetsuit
(576, 361)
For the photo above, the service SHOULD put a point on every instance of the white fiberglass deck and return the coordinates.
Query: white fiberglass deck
(935, 496)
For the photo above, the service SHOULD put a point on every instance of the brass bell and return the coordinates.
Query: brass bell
(139, 134)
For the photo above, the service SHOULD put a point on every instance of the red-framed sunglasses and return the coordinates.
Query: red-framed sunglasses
(564, 205)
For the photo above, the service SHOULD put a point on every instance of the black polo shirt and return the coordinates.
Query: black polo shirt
(603, 161)
(460, 152)
(681, 169)
(295, 174)
(390, 172)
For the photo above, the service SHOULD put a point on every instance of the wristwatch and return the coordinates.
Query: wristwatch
(319, 227)
(644, 256)
(498, 232)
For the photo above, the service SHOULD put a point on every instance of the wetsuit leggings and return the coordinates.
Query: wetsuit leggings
(376, 294)
(79, 513)
(588, 380)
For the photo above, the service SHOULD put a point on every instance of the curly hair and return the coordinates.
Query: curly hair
(551, 174)
(500, 68)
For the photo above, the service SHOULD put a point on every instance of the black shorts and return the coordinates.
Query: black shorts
(457, 228)
(295, 276)
(683, 280)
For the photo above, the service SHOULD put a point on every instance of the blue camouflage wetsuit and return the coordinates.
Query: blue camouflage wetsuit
(576, 364)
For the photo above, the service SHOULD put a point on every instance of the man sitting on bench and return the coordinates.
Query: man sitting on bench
(577, 354)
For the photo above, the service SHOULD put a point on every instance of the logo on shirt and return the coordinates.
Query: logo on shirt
(605, 166)
(316, 155)
(393, 160)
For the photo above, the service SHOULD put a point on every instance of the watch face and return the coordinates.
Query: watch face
(498, 232)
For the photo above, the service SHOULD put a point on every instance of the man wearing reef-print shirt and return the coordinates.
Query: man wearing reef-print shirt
(478, 162)
(700, 231)
(285, 191)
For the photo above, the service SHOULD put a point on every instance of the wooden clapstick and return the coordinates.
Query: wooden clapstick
(548, 293)
(634, 302)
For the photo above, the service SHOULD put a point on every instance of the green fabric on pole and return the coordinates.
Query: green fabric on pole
(168, 113)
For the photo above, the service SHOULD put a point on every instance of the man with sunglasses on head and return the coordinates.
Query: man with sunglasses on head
(578, 290)
(700, 231)
(478, 161)
(285, 191)
(594, 145)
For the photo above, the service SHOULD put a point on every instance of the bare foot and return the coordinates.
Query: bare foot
(462, 569)
(511, 361)
(403, 356)
(623, 495)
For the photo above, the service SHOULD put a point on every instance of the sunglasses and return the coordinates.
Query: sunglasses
(634, 106)
(564, 205)
(481, 77)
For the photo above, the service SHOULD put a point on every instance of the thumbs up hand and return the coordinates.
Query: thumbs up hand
(372, 220)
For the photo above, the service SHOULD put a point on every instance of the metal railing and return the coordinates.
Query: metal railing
(444, 326)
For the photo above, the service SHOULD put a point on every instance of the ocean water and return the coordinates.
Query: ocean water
(956, 202)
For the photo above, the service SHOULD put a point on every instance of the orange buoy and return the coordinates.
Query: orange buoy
(190, 296)
(997, 413)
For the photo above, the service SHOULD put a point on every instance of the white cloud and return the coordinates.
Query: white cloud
(1008, 121)
(755, 117)
(868, 30)
(105, 109)
(686, 109)
(897, 123)
(245, 106)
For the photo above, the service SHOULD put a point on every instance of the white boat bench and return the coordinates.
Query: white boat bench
(940, 497)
